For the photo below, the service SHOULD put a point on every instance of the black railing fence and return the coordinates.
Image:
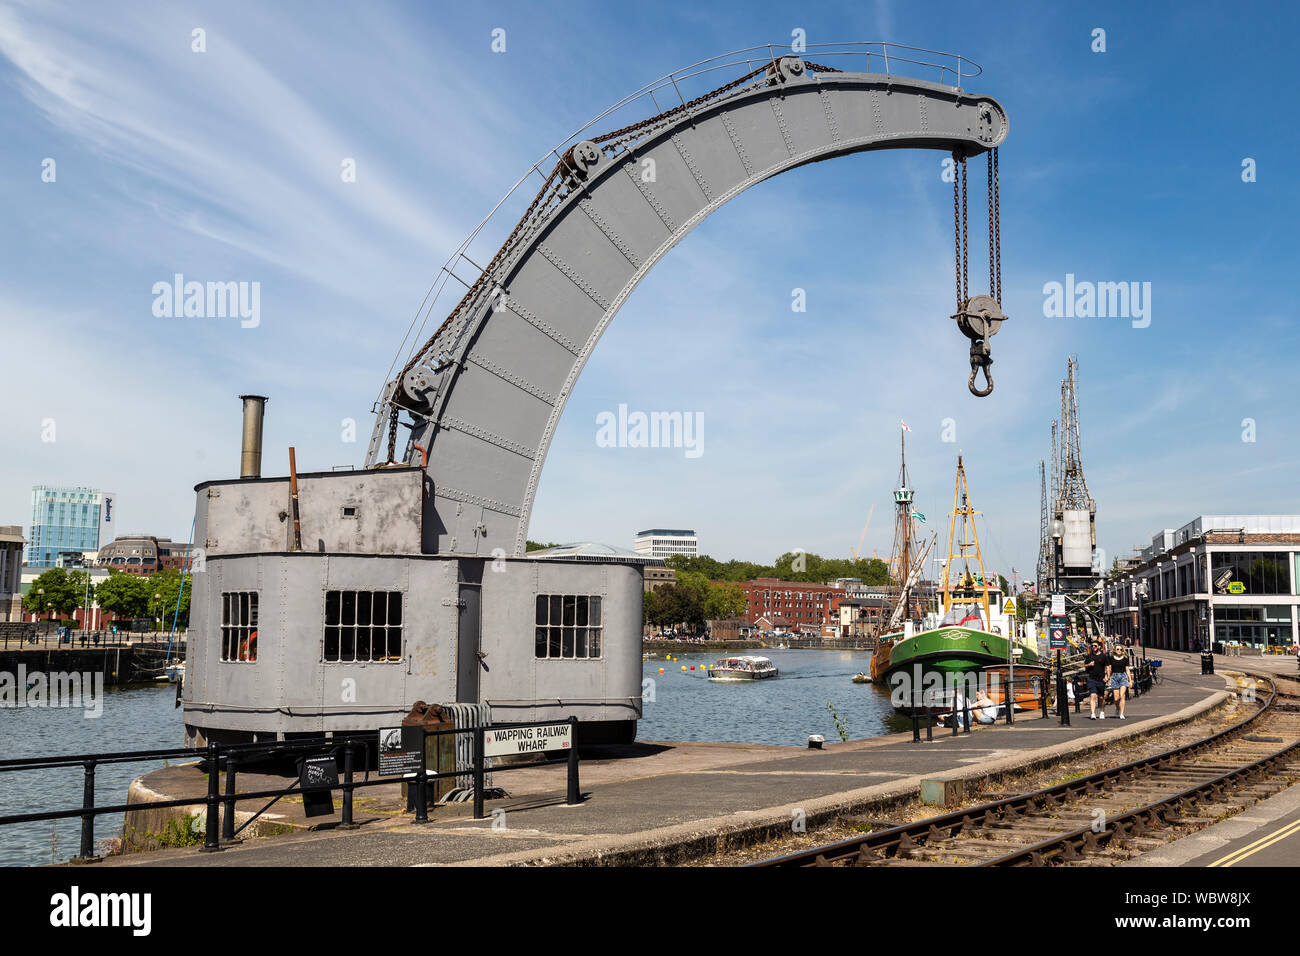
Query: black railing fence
(220, 806)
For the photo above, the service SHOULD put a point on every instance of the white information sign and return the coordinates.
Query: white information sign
(1058, 604)
(502, 741)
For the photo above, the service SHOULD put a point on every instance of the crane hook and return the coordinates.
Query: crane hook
(980, 359)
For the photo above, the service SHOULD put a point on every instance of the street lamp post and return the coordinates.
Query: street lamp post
(1142, 589)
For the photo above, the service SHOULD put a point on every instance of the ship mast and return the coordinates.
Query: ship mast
(966, 583)
(903, 559)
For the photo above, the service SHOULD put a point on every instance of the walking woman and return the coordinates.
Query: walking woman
(1119, 682)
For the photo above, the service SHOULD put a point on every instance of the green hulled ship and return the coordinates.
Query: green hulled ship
(972, 633)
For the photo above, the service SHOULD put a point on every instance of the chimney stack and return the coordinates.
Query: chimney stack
(250, 463)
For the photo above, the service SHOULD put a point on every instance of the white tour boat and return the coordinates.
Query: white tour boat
(742, 668)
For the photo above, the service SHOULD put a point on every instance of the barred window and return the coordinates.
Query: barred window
(568, 626)
(363, 626)
(239, 626)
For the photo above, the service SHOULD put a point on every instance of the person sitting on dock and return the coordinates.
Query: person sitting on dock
(1097, 665)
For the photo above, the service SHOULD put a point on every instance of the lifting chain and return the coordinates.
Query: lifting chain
(392, 434)
(978, 317)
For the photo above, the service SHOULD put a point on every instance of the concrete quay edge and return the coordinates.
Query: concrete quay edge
(685, 842)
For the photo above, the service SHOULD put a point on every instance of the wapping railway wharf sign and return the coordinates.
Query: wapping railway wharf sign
(503, 741)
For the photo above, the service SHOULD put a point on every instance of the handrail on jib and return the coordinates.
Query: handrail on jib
(897, 59)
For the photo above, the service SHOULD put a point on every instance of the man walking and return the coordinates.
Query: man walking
(1097, 666)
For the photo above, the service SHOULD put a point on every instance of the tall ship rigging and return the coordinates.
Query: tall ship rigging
(974, 631)
(906, 563)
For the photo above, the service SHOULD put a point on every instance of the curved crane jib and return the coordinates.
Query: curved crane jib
(486, 392)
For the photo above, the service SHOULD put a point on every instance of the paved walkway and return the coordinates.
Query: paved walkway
(646, 800)
(1266, 834)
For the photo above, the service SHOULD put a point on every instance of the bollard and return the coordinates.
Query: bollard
(347, 823)
(1042, 697)
(478, 773)
(575, 795)
(916, 727)
(228, 817)
(1009, 700)
(1062, 695)
(88, 819)
(422, 784)
(210, 842)
(929, 726)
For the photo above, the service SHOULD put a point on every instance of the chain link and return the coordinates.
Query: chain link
(957, 234)
(997, 225)
(993, 285)
(965, 243)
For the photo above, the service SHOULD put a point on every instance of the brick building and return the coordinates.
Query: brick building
(791, 605)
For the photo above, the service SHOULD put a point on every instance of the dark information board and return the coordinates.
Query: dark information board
(1057, 629)
(399, 751)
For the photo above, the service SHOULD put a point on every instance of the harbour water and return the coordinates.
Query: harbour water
(782, 710)
(685, 706)
(134, 718)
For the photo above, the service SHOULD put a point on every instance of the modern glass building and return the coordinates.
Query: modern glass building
(65, 519)
(1226, 581)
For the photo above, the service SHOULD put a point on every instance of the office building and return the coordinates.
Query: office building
(1226, 580)
(11, 562)
(68, 519)
(666, 542)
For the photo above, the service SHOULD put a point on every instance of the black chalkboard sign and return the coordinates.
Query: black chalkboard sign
(316, 776)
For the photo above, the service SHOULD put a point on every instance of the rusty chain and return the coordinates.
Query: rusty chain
(392, 433)
(957, 236)
(993, 284)
(997, 224)
(965, 242)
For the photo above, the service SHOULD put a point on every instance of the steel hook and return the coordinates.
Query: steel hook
(980, 358)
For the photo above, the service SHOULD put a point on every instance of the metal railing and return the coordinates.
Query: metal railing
(230, 757)
(960, 715)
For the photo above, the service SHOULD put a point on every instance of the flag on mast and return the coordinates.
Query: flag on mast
(905, 426)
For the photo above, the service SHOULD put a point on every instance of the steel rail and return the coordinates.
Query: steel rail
(1142, 819)
(874, 846)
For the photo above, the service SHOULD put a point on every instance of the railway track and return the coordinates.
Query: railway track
(1104, 817)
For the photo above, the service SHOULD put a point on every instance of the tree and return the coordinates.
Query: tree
(62, 593)
(814, 568)
(167, 585)
(725, 600)
(125, 595)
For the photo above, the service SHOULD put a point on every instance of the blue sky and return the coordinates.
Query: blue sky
(1120, 166)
